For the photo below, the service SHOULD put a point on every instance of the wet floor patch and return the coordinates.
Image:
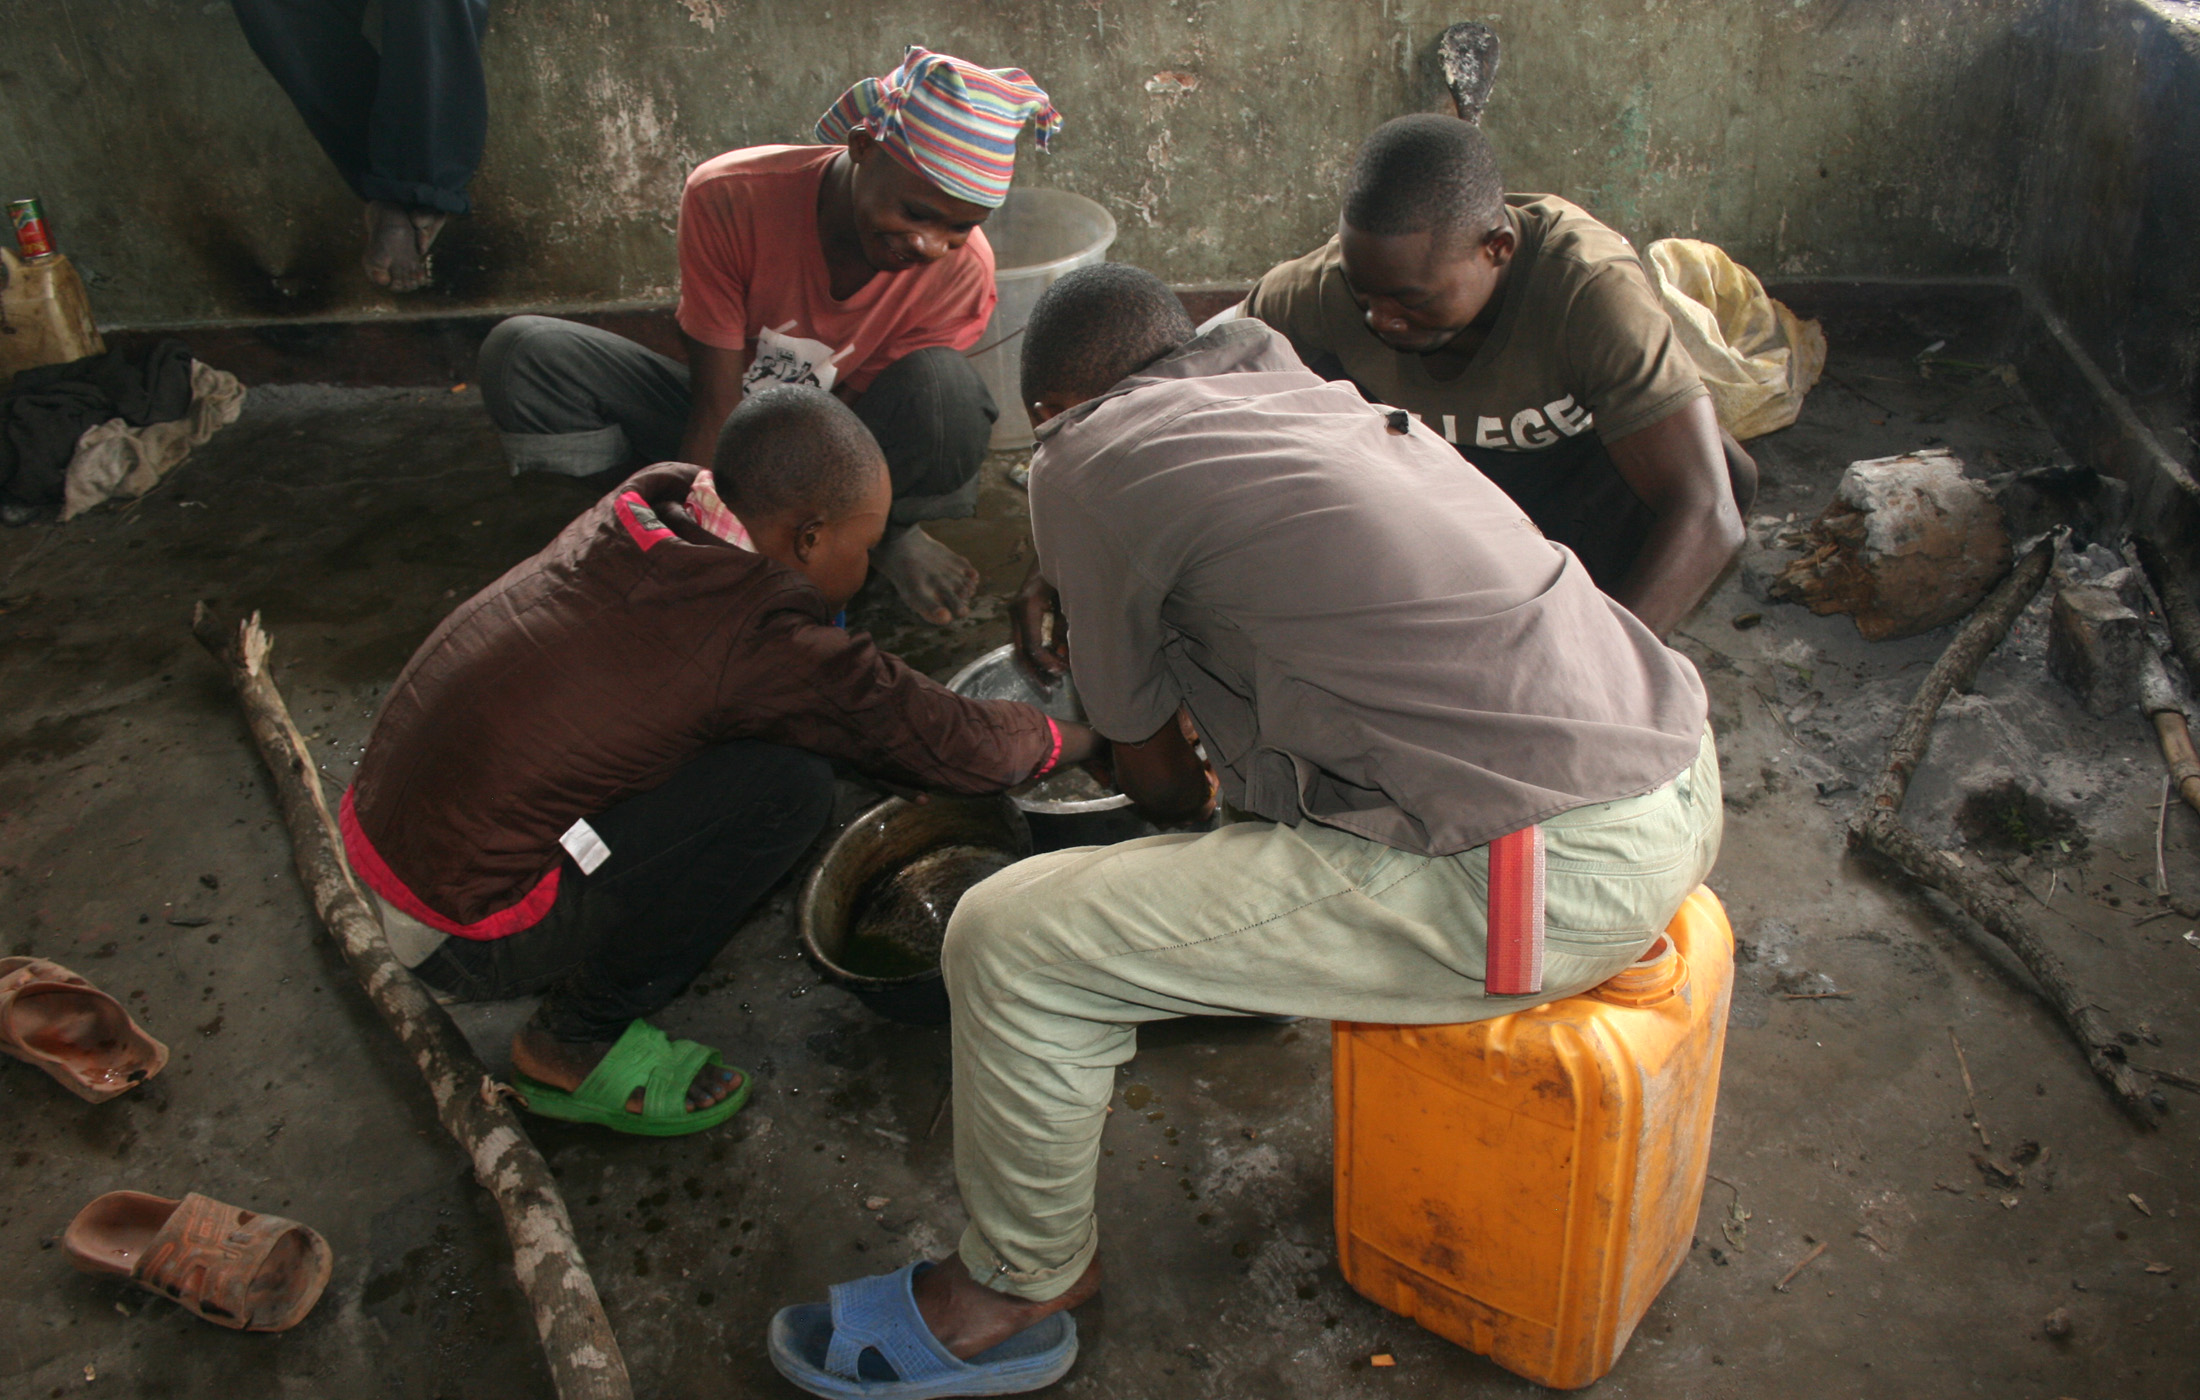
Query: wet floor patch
(49, 739)
(2010, 819)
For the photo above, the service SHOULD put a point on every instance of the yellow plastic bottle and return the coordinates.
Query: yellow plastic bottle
(1524, 1186)
(45, 318)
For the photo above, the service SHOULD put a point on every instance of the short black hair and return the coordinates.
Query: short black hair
(794, 449)
(1096, 327)
(1425, 172)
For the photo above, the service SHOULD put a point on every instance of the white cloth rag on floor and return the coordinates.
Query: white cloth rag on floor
(114, 459)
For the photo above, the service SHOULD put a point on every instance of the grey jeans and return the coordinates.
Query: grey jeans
(576, 400)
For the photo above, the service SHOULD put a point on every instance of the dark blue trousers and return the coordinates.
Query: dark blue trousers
(407, 124)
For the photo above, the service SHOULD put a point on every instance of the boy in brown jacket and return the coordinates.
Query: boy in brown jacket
(595, 767)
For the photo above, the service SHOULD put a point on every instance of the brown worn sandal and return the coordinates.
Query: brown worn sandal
(54, 1019)
(235, 1268)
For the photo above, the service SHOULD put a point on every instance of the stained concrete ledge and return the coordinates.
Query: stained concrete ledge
(423, 350)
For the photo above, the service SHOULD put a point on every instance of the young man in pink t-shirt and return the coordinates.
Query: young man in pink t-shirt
(855, 266)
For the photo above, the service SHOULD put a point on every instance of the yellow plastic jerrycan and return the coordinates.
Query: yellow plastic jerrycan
(1524, 1186)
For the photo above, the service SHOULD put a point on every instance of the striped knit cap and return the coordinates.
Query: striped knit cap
(951, 121)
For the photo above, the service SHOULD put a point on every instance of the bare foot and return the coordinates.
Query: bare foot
(935, 581)
(563, 1065)
(398, 240)
(969, 1318)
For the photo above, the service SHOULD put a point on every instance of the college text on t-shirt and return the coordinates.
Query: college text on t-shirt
(1529, 430)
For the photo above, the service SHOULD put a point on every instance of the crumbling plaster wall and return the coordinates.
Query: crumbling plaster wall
(1811, 137)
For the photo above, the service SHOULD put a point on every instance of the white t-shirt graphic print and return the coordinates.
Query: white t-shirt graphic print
(782, 358)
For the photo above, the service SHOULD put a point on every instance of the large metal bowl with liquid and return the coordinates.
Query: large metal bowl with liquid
(874, 911)
(1055, 823)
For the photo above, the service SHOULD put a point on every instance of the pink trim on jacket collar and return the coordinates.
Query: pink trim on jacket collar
(712, 515)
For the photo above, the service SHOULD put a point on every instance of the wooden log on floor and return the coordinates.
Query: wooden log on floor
(1956, 668)
(2157, 696)
(1878, 826)
(577, 1342)
(2179, 616)
(2159, 699)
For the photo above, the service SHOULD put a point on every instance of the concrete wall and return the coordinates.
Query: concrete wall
(2112, 201)
(1811, 137)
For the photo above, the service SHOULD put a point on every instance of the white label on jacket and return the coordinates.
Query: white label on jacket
(585, 847)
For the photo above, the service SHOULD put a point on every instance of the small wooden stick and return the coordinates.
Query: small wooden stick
(1800, 1265)
(577, 1342)
(2161, 837)
(1970, 1096)
(2170, 1076)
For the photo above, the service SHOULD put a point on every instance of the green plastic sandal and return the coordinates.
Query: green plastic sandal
(646, 1059)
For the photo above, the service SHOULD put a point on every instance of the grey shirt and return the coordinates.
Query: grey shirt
(1366, 631)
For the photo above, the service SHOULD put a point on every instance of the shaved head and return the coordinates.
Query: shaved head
(1423, 173)
(794, 451)
(1096, 327)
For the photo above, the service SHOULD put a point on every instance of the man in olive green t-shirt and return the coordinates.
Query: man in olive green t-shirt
(1528, 335)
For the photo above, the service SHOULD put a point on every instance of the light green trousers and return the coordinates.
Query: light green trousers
(1055, 962)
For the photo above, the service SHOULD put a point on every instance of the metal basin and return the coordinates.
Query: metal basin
(1099, 821)
(894, 837)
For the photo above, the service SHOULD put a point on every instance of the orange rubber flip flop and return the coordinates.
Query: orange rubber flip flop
(235, 1268)
(54, 1019)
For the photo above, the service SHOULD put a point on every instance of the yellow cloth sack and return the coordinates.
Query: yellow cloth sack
(1757, 358)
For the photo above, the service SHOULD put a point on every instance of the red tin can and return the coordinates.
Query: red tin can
(32, 238)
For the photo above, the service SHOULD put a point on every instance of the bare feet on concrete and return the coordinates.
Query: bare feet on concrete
(935, 581)
(969, 1318)
(398, 240)
(564, 1064)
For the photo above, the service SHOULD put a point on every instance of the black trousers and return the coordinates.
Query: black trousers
(579, 400)
(688, 861)
(1577, 498)
(406, 124)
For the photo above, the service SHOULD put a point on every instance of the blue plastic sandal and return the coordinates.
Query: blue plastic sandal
(870, 1343)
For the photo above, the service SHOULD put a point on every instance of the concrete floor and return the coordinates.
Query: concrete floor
(139, 844)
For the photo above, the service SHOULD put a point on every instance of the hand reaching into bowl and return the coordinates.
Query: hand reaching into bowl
(1039, 629)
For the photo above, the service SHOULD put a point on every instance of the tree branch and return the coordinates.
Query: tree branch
(1878, 826)
(577, 1342)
